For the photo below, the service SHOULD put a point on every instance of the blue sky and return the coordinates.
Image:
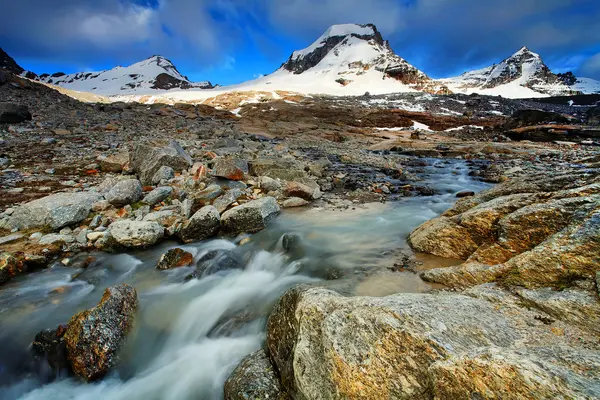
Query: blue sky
(230, 41)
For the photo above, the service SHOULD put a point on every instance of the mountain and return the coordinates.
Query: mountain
(521, 75)
(347, 59)
(154, 73)
(9, 64)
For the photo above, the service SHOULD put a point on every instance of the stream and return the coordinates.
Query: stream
(189, 336)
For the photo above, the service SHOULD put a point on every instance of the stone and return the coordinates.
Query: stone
(199, 171)
(94, 236)
(444, 238)
(114, 162)
(204, 224)
(163, 174)
(593, 115)
(49, 346)
(205, 197)
(230, 168)
(294, 202)
(157, 195)
(254, 378)
(56, 238)
(465, 193)
(55, 211)
(95, 336)
(250, 217)
(148, 157)
(227, 199)
(135, 233)
(295, 189)
(175, 258)
(276, 168)
(421, 346)
(11, 265)
(12, 113)
(125, 192)
(269, 185)
(11, 238)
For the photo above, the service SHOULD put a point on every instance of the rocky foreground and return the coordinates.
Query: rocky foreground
(518, 318)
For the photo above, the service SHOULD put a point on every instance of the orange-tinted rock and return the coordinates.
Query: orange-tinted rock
(175, 258)
(94, 337)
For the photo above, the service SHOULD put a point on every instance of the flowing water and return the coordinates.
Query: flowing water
(189, 335)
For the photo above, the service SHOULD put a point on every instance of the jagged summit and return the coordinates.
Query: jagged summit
(9, 64)
(155, 72)
(349, 53)
(523, 74)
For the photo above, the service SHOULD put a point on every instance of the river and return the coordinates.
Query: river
(189, 336)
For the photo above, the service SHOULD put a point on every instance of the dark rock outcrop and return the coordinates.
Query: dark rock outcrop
(94, 337)
(11, 113)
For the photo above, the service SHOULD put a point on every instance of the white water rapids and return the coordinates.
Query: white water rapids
(189, 336)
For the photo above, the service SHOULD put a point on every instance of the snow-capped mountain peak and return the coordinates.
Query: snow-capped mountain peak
(154, 73)
(523, 74)
(350, 53)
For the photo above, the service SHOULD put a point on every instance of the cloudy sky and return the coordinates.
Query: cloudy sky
(229, 41)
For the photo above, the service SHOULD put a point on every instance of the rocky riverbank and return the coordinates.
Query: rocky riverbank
(517, 318)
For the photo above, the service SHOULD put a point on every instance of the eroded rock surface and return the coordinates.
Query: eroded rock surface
(94, 337)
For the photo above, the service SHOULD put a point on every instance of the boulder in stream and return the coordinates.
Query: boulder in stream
(94, 337)
(175, 258)
(254, 378)
(205, 223)
(130, 233)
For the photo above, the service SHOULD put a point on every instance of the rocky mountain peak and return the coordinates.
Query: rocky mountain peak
(348, 51)
(9, 64)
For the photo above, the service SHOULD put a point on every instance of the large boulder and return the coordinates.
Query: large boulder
(250, 217)
(94, 337)
(254, 378)
(55, 211)
(148, 157)
(125, 192)
(114, 162)
(11, 113)
(421, 346)
(532, 232)
(130, 233)
(204, 224)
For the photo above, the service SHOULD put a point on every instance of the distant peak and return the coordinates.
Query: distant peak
(524, 50)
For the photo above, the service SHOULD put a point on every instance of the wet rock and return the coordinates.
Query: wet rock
(163, 174)
(94, 337)
(217, 261)
(157, 195)
(49, 347)
(12, 113)
(417, 346)
(204, 224)
(125, 192)
(254, 378)
(114, 163)
(227, 199)
(250, 217)
(465, 193)
(148, 157)
(55, 211)
(175, 258)
(294, 202)
(230, 168)
(11, 265)
(444, 238)
(135, 233)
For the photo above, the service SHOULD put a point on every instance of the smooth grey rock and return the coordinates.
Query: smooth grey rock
(164, 173)
(269, 184)
(294, 202)
(11, 238)
(250, 217)
(148, 157)
(125, 192)
(55, 211)
(205, 223)
(82, 236)
(55, 238)
(136, 233)
(157, 195)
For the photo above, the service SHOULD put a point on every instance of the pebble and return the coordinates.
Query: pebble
(50, 171)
